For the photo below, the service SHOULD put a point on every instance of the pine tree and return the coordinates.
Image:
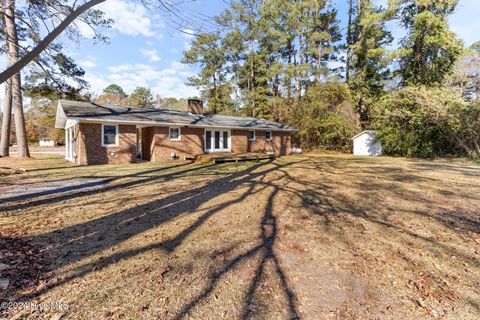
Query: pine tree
(369, 65)
(206, 51)
(248, 60)
(141, 97)
(322, 39)
(430, 50)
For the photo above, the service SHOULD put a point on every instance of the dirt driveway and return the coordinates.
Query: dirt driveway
(308, 237)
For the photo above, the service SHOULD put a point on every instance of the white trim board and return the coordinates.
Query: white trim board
(212, 140)
(158, 124)
(179, 133)
(117, 134)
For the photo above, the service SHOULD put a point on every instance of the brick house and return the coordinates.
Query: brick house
(99, 134)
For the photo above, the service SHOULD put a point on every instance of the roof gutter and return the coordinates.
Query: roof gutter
(153, 123)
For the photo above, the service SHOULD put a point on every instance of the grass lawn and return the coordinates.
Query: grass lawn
(315, 236)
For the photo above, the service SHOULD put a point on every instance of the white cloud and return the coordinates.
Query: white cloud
(85, 30)
(130, 18)
(88, 63)
(168, 82)
(151, 54)
(150, 43)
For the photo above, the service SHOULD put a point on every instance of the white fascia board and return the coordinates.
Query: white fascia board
(70, 123)
(364, 132)
(165, 124)
(60, 117)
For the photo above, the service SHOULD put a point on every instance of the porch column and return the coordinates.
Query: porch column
(67, 144)
(71, 144)
(139, 143)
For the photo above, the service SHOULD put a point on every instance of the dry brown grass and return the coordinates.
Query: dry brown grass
(311, 237)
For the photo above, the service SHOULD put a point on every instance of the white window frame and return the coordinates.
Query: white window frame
(212, 140)
(254, 135)
(179, 133)
(116, 135)
(271, 135)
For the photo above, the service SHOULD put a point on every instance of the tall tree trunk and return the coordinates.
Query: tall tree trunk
(252, 77)
(296, 72)
(289, 83)
(276, 85)
(20, 129)
(7, 107)
(6, 120)
(349, 43)
(359, 7)
(16, 85)
(214, 109)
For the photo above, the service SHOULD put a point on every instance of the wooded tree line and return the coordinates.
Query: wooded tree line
(291, 61)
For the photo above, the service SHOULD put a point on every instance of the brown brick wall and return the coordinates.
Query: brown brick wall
(147, 137)
(91, 151)
(280, 143)
(157, 146)
(161, 147)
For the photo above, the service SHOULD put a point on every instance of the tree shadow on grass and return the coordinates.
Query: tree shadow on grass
(313, 194)
(379, 180)
(265, 249)
(81, 241)
(81, 190)
(53, 168)
(75, 243)
(468, 169)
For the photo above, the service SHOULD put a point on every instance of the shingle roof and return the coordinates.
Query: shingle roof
(86, 111)
(364, 132)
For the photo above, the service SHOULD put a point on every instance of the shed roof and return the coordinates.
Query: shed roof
(364, 132)
(91, 112)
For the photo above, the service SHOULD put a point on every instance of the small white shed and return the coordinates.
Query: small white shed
(364, 144)
(46, 142)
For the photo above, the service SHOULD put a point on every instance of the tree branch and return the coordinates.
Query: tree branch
(42, 45)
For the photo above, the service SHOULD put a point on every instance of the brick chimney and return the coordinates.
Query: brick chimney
(195, 106)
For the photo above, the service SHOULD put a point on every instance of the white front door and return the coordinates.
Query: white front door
(217, 140)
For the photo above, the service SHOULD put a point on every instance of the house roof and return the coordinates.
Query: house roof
(91, 112)
(364, 132)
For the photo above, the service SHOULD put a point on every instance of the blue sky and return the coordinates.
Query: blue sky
(145, 50)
